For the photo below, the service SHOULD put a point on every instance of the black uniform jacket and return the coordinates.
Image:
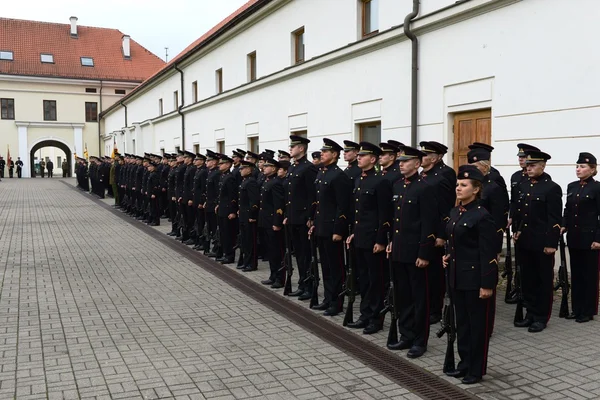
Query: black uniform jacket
(153, 184)
(471, 233)
(228, 195)
(443, 179)
(416, 219)
(171, 181)
(353, 171)
(249, 199)
(392, 173)
(188, 183)
(515, 181)
(180, 181)
(334, 197)
(272, 203)
(495, 201)
(538, 211)
(372, 211)
(581, 214)
(212, 189)
(301, 191)
(200, 185)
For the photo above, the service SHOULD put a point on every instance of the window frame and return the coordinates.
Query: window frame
(299, 44)
(7, 54)
(366, 9)
(361, 131)
(220, 146)
(176, 100)
(48, 112)
(251, 65)
(87, 58)
(7, 104)
(48, 55)
(90, 116)
(195, 92)
(121, 92)
(160, 107)
(254, 144)
(219, 80)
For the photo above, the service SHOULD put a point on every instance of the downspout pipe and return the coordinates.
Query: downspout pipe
(180, 107)
(125, 107)
(99, 121)
(414, 89)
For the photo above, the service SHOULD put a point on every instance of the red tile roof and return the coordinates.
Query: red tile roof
(220, 27)
(28, 39)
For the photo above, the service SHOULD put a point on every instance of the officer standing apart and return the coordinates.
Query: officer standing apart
(472, 274)
(580, 221)
(539, 212)
(19, 165)
(372, 221)
(301, 195)
(414, 232)
(331, 217)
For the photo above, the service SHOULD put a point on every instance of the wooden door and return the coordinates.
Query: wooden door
(470, 127)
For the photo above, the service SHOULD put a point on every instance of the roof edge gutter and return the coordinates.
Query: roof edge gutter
(414, 89)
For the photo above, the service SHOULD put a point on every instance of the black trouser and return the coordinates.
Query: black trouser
(41, 172)
(182, 219)
(371, 278)
(227, 235)
(200, 220)
(472, 331)
(109, 188)
(163, 202)
(1, 173)
(584, 281)
(302, 249)
(20, 172)
(50, 173)
(248, 237)
(412, 285)
(154, 211)
(173, 213)
(64, 173)
(437, 282)
(274, 247)
(211, 221)
(537, 273)
(190, 220)
(333, 268)
(10, 172)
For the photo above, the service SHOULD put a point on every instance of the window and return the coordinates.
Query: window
(370, 132)
(90, 90)
(303, 134)
(119, 91)
(252, 67)
(8, 108)
(298, 45)
(253, 144)
(370, 17)
(194, 91)
(91, 112)
(47, 58)
(220, 146)
(177, 148)
(160, 107)
(133, 146)
(6, 55)
(49, 110)
(196, 148)
(176, 99)
(58, 160)
(87, 61)
(219, 80)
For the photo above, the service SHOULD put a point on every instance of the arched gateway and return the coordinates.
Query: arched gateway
(52, 143)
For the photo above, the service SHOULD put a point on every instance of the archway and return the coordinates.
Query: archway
(52, 143)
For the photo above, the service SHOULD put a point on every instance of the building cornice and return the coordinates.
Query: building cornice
(65, 81)
(49, 124)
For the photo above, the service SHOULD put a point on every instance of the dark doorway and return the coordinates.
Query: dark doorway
(52, 143)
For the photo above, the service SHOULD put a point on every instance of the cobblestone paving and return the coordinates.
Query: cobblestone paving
(93, 308)
(562, 362)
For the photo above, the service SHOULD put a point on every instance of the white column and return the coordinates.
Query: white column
(23, 151)
(78, 140)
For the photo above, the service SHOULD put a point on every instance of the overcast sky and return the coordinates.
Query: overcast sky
(155, 24)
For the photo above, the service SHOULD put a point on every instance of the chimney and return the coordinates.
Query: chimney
(73, 26)
(126, 46)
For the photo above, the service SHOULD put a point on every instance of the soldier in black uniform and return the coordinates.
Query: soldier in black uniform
(227, 209)
(189, 213)
(350, 154)
(11, 167)
(539, 214)
(390, 167)
(472, 274)
(249, 206)
(300, 196)
(414, 232)
(372, 219)
(331, 219)
(19, 165)
(316, 158)
(180, 185)
(172, 195)
(2, 166)
(253, 158)
(443, 179)
(163, 173)
(582, 224)
(212, 196)
(283, 155)
(494, 174)
(199, 199)
(270, 219)
(153, 190)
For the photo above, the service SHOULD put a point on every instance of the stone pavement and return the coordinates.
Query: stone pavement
(93, 308)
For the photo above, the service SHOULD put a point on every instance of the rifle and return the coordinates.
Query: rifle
(448, 323)
(391, 302)
(508, 269)
(287, 262)
(314, 271)
(349, 286)
(519, 290)
(563, 280)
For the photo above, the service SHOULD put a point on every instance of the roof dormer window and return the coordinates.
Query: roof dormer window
(87, 61)
(47, 58)
(6, 55)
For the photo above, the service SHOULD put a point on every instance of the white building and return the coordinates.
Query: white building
(498, 71)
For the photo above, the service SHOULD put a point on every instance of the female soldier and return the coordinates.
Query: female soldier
(472, 274)
(580, 221)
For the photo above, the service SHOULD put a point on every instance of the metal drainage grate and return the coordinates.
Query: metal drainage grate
(409, 376)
